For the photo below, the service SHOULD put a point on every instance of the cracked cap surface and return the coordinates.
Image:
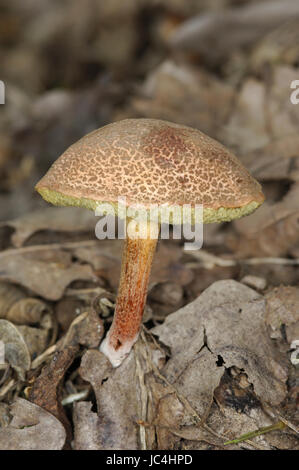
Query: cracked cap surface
(149, 161)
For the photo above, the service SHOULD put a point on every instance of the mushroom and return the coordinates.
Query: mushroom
(148, 161)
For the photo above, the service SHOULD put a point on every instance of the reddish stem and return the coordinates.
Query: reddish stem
(135, 271)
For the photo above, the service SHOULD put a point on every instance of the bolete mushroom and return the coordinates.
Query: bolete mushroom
(148, 161)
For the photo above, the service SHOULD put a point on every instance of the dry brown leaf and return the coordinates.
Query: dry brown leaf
(166, 298)
(278, 46)
(36, 339)
(117, 400)
(169, 417)
(86, 329)
(204, 277)
(62, 219)
(271, 231)
(286, 440)
(167, 265)
(283, 309)
(66, 310)
(247, 127)
(199, 380)
(135, 405)
(231, 318)
(197, 438)
(231, 29)
(32, 428)
(9, 295)
(16, 351)
(126, 399)
(28, 311)
(278, 160)
(105, 257)
(180, 93)
(231, 423)
(22, 311)
(177, 406)
(46, 277)
(46, 389)
(263, 120)
(5, 417)
(87, 427)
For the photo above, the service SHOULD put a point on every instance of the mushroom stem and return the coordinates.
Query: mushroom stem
(135, 271)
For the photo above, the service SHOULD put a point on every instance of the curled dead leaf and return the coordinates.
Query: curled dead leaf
(9, 295)
(46, 389)
(16, 351)
(27, 311)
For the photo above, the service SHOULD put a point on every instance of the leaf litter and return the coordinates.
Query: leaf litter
(214, 359)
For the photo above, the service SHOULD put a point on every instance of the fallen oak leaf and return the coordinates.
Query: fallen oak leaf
(87, 428)
(124, 400)
(203, 364)
(46, 278)
(32, 428)
(229, 318)
(117, 400)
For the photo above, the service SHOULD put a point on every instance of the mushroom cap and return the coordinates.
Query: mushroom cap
(149, 161)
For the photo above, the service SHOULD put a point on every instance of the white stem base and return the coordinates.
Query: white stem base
(116, 356)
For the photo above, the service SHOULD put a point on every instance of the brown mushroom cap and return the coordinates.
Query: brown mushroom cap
(149, 161)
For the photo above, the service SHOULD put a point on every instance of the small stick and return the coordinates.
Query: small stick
(257, 432)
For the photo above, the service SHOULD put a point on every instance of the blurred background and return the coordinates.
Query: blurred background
(223, 66)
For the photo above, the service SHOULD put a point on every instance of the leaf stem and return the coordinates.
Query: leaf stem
(257, 432)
